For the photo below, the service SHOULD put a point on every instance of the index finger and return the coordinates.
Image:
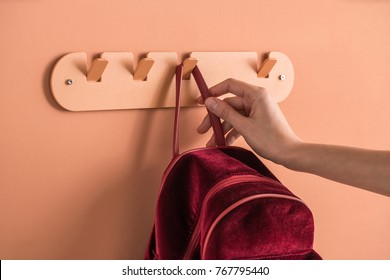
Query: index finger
(235, 87)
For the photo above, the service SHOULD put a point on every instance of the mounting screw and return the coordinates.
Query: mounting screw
(282, 77)
(69, 82)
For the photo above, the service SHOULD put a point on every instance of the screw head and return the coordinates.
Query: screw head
(282, 77)
(69, 82)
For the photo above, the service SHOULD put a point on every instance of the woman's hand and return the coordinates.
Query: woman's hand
(253, 114)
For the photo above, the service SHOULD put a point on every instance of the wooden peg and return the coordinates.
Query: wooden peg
(188, 65)
(97, 68)
(143, 69)
(266, 67)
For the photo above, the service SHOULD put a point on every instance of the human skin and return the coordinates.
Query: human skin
(253, 114)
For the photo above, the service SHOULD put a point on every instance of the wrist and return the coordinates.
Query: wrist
(292, 155)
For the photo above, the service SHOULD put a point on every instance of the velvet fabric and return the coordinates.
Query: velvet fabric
(263, 228)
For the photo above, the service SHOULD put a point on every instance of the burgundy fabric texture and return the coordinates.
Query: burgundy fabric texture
(223, 203)
(266, 228)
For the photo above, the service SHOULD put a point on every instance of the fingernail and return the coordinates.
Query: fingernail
(211, 104)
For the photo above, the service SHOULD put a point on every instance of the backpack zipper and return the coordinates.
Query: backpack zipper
(177, 158)
(235, 179)
(173, 163)
(235, 205)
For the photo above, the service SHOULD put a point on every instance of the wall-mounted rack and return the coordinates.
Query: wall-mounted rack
(111, 83)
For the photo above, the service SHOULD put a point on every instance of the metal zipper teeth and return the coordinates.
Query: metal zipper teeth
(235, 205)
(220, 185)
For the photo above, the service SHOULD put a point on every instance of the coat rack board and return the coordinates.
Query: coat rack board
(111, 83)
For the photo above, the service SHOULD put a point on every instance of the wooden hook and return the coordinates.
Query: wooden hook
(266, 67)
(188, 65)
(97, 68)
(143, 69)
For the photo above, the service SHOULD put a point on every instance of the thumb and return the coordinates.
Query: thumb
(225, 112)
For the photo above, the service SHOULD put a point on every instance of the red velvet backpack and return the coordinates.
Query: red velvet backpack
(223, 203)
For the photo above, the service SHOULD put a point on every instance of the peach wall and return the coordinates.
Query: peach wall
(84, 185)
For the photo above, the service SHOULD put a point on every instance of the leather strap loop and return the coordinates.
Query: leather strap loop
(205, 93)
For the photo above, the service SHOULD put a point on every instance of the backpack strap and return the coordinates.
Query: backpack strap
(205, 93)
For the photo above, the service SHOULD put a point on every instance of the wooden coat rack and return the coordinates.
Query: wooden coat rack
(111, 83)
